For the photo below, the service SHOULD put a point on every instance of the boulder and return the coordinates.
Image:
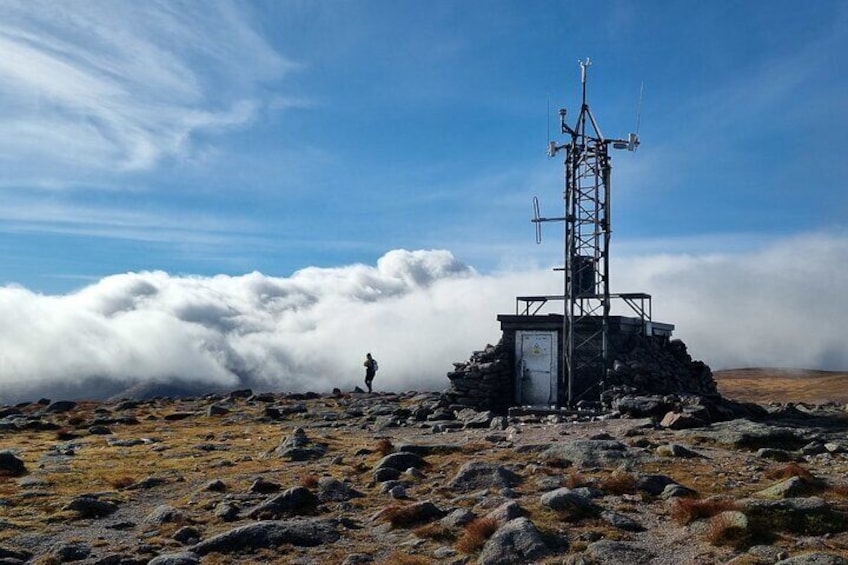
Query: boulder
(590, 453)
(788, 488)
(183, 558)
(620, 521)
(401, 461)
(566, 500)
(506, 512)
(681, 421)
(270, 534)
(676, 450)
(476, 475)
(811, 516)
(90, 506)
(293, 502)
(333, 490)
(515, 543)
(164, 514)
(298, 447)
(815, 558)
(10, 465)
(61, 406)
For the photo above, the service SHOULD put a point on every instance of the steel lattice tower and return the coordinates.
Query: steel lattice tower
(585, 347)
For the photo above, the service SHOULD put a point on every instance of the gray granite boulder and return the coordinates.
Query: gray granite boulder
(270, 534)
(476, 475)
(515, 543)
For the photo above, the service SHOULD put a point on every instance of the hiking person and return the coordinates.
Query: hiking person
(370, 369)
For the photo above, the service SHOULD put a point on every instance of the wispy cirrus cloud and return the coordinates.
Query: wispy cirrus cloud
(101, 85)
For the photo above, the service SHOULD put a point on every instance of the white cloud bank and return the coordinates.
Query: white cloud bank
(417, 311)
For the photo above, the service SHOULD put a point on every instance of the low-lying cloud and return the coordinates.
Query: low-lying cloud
(416, 311)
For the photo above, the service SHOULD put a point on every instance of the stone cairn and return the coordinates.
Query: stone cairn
(649, 377)
(484, 382)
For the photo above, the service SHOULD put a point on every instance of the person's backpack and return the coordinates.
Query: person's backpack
(374, 365)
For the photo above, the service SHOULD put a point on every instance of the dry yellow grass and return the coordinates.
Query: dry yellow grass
(475, 535)
(764, 385)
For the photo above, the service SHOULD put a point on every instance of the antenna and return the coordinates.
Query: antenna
(639, 108)
(632, 141)
(548, 120)
(539, 220)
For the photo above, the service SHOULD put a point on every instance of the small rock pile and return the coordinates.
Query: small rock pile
(483, 382)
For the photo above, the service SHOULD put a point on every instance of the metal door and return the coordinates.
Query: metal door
(536, 368)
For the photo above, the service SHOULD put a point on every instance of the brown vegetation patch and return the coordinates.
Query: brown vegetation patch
(122, 482)
(475, 534)
(385, 447)
(405, 516)
(789, 470)
(723, 529)
(686, 510)
(435, 531)
(309, 481)
(619, 482)
(576, 479)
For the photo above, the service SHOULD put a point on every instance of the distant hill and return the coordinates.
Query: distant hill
(764, 385)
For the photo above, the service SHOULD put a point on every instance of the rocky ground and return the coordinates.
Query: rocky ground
(405, 479)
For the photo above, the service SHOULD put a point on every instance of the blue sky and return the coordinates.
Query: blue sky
(217, 137)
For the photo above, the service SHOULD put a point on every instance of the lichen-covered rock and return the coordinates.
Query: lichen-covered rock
(90, 506)
(293, 502)
(333, 490)
(590, 453)
(270, 534)
(622, 552)
(515, 543)
(182, 558)
(401, 461)
(476, 475)
(566, 500)
(811, 516)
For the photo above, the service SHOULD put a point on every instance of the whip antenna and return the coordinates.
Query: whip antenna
(639, 108)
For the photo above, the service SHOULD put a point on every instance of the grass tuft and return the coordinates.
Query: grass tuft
(790, 470)
(619, 482)
(576, 479)
(723, 529)
(405, 516)
(309, 481)
(436, 532)
(687, 510)
(385, 447)
(475, 535)
(121, 482)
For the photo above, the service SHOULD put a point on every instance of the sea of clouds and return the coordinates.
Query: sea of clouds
(416, 311)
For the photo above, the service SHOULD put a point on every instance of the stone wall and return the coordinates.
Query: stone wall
(656, 365)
